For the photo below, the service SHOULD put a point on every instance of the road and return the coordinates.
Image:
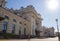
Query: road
(46, 39)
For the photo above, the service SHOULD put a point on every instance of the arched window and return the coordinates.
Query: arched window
(5, 24)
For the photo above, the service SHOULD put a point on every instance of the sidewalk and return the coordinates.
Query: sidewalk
(47, 39)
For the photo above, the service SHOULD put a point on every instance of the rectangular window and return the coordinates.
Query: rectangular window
(5, 24)
(24, 31)
(13, 28)
(20, 31)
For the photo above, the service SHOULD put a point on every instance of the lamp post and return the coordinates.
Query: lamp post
(57, 29)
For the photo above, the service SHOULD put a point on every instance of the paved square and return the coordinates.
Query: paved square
(47, 39)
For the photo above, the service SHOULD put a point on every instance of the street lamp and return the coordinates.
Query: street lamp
(57, 29)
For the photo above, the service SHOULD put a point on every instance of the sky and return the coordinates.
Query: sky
(49, 10)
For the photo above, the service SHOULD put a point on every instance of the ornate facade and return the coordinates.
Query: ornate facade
(24, 21)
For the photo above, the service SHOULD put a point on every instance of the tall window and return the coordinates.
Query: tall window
(24, 31)
(13, 28)
(20, 31)
(5, 24)
(0, 2)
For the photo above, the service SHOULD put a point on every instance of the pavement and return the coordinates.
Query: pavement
(46, 39)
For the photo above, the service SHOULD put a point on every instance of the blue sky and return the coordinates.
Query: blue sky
(48, 15)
